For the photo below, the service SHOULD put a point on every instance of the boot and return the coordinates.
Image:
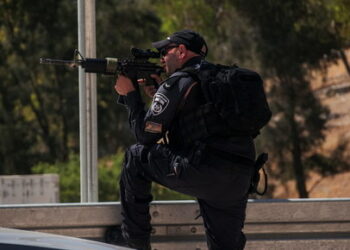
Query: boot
(115, 236)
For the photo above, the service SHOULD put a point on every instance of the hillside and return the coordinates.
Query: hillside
(333, 89)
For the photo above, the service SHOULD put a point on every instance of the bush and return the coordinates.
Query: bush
(69, 173)
(109, 169)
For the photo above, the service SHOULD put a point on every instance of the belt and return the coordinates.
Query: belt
(248, 163)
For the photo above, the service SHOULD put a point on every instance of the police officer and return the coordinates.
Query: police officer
(216, 169)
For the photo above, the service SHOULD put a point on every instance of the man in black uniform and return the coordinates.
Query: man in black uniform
(216, 168)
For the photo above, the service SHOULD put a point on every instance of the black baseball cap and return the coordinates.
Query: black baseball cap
(192, 40)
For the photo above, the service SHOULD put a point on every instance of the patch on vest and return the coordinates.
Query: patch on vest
(153, 127)
(159, 104)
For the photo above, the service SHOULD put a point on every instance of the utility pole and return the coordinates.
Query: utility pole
(87, 104)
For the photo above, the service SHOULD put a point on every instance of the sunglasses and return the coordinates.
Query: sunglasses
(166, 50)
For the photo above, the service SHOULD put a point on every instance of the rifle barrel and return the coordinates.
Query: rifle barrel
(70, 63)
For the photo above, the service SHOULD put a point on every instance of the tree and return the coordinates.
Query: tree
(340, 21)
(294, 37)
(40, 102)
(33, 98)
(230, 38)
(115, 40)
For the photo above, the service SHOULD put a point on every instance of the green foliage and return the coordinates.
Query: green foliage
(109, 169)
(69, 173)
(69, 177)
(340, 20)
(115, 40)
(44, 99)
(35, 98)
(291, 32)
(229, 36)
(181, 14)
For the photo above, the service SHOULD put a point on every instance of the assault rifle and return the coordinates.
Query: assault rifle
(135, 68)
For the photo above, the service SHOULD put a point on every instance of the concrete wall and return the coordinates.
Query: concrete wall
(21, 189)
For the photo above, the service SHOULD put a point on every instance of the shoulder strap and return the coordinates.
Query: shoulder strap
(259, 163)
(173, 79)
(203, 74)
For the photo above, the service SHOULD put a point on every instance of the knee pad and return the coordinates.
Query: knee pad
(138, 152)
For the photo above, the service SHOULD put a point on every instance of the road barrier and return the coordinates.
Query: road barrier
(270, 224)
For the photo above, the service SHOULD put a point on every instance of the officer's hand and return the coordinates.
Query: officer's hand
(123, 85)
(149, 89)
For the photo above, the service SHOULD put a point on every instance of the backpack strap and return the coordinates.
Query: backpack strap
(173, 79)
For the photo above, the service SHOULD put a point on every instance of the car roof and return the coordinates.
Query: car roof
(22, 239)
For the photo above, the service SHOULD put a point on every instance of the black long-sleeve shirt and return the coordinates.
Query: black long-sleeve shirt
(149, 126)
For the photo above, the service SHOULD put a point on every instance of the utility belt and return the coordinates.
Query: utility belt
(202, 150)
(243, 165)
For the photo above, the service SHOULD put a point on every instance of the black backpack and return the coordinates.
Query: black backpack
(235, 105)
(236, 94)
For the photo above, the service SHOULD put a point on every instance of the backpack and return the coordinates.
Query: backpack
(236, 104)
(236, 94)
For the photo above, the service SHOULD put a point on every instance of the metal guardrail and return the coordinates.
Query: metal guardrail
(270, 224)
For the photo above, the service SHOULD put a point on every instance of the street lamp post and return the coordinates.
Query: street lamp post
(87, 104)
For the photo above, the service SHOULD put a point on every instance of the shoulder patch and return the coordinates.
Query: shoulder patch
(159, 104)
(153, 127)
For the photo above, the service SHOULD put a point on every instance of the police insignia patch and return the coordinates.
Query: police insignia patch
(153, 127)
(159, 104)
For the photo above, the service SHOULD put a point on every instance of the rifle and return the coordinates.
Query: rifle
(135, 68)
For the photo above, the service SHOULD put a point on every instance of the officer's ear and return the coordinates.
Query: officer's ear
(182, 51)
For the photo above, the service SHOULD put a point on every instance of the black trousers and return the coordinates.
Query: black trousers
(221, 190)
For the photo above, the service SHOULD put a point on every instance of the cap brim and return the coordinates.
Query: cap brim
(161, 44)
